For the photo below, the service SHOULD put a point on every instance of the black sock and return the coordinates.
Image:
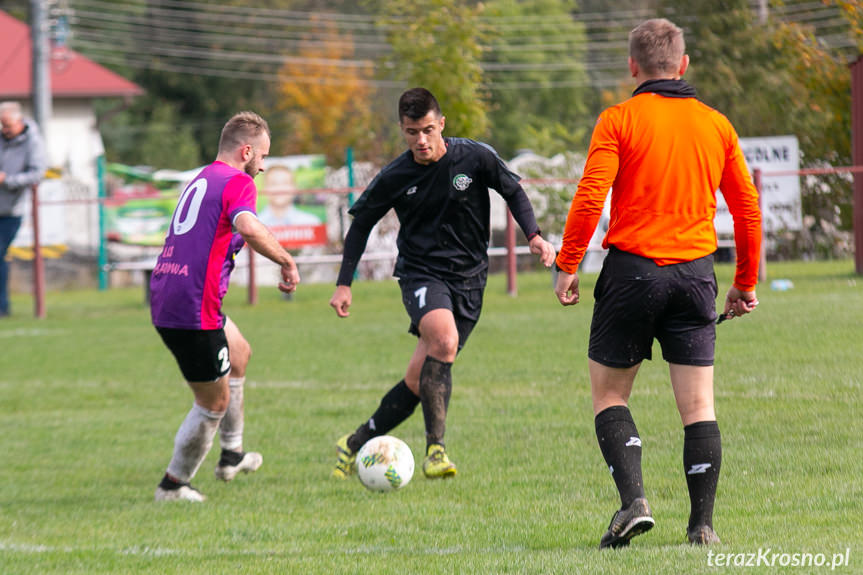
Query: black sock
(621, 448)
(169, 484)
(702, 458)
(397, 405)
(435, 390)
(231, 458)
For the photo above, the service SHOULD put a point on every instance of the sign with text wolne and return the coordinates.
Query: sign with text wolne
(780, 194)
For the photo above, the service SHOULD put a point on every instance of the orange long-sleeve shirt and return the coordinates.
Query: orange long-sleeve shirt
(664, 158)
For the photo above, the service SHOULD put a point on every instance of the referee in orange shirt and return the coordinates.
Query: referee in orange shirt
(664, 154)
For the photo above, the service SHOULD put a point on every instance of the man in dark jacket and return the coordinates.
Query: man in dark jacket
(22, 165)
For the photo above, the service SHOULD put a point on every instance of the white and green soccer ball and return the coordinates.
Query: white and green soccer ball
(385, 463)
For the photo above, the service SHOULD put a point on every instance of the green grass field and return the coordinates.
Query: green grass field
(90, 401)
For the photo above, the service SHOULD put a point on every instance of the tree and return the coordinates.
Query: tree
(535, 73)
(150, 133)
(774, 79)
(436, 44)
(327, 96)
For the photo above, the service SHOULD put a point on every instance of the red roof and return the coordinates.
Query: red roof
(72, 75)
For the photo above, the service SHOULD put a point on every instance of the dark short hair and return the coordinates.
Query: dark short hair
(241, 129)
(416, 103)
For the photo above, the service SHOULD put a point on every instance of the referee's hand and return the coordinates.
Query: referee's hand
(739, 302)
(566, 288)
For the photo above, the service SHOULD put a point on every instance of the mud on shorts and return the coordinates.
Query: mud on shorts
(202, 354)
(463, 297)
(637, 301)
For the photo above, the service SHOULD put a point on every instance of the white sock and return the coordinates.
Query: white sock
(231, 427)
(193, 441)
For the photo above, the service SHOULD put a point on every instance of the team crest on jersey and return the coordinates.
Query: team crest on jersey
(461, 182)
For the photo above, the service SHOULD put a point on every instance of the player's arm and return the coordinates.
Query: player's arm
(600, 170)
(507, 185)
(742, 199)
(371, 206)
(522, 212)
(260, 239)
(566, 287)
(355, 244)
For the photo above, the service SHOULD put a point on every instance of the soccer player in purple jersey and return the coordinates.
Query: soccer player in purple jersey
(214, 218)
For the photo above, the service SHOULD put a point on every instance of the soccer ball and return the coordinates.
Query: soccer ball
(385, 463)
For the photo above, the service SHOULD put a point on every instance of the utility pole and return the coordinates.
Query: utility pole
(857, 159)
(41, 88)
(762, 12)
(41, 64)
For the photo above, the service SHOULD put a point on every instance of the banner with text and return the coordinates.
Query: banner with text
(780, 195)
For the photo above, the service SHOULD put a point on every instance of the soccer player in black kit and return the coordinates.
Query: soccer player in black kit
(439, 189)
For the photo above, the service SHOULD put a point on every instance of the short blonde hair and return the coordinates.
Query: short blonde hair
(657, 46)
(243, 128)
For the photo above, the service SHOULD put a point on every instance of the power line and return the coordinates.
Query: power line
(185, 36)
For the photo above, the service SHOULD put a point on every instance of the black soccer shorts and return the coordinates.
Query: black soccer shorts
(637, 301)
(202, 354)
(422, 294)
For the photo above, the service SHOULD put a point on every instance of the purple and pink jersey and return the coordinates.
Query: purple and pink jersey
(192, 273)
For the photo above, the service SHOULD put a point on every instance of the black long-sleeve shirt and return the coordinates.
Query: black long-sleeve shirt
(443, 209)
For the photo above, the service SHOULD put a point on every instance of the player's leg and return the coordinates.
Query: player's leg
(396, 406)
(439, 340)
(203, 359)
(621, 336)
(233, 459)
(621, 448)
(702, 446)
(193, 440)
(688, 336)
(615, 429)
(420, 296)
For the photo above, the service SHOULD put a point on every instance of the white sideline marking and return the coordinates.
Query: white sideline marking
(309, 384)
(32, 332)
(162, 552)
(27, 548)
(37, 549)
(149, 551)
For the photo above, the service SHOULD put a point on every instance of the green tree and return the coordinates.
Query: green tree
(436, 44)
(177, 53)
(773, 79)
(536, 77)
(150, 133)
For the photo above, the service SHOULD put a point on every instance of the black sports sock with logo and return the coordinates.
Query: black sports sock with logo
(435, 390)
(397, 405)
(621, 447)
(702, 458)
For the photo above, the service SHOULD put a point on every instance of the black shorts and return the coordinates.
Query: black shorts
(637, 301)
(422, 294)
(202, 354)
